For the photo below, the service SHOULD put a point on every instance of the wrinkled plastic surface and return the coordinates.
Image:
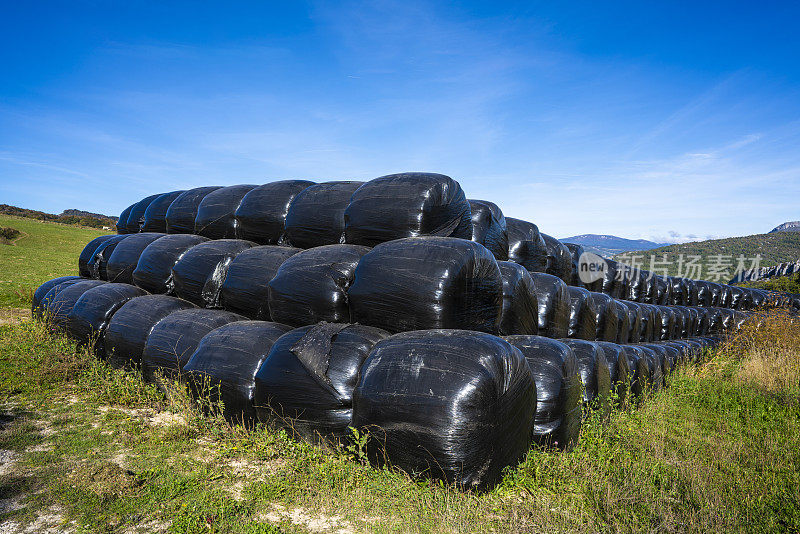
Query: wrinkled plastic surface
(136, 215)
(447, 404)
(557, 421)
(607, 317)
(647, 328)
(200, 272)
(582, 314)
(89, 317)
(225, 363)
(98, 262)
(246, 286)
(311, 286)
(173, 340)
(613, 279)
(88, 252)
(409, 204)
(420, 283)
(618, 369)
(306, 383)
(520, 314)
(155, 216)
(38, 302)
(660, 291)
(554, 305)
(316, 215)
(216, 212)
(593, 370)
(61, 299)
(182, 212)
(129, 327)
(153, 272)
(122, 222)
(261, 216)
(623, 322)
(667, 322)
(526, 245)
(576, 251)
(640, 374)
(489, 227)
(125, 257)
(559, 259)
(634, 320)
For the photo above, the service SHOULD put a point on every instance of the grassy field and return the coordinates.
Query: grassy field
(45, 250)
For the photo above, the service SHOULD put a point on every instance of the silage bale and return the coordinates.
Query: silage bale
(559, 259)
(422, 283)
(198, 275)
(640, 376)
(89, 317)
(661, 291)
(618, 369)
(593, 371)
(122, 222)
(449, 404)
(694, 290)
(526, 245)
(306, 383)
(38, 302)
(582, 314)
(136, 216)
(153, 271)
(411, 204)
(679, 292)
(125, 257)
(62, 298)
(662, 359)
(316, 215)
(656, 366)
(635, 318)
(88, 252)
(637, 285)
(182, 212)
(216, 212)
(489, 228)
(607, 317)
(97, 263)
(261, 216)
(623, 322)
(613, 279)
(576, 251)
(667, 323)
(520, 313)
(155, 216)
(552, 297)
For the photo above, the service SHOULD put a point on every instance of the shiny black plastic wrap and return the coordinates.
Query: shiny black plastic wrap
(680, 321)
(737, 297)
(122, 222)
(552, 297)
(654, 362)
(703, 321)
(575, 252)
(216, 212)
(420, 283)
(136, 216)
(679, 292)
(409, 204)
(200, 272)
(635, 320)
(582, 314)
(757, 298)
(693, 289)
(640, 376)
(88, 252)
(96, 265)
(662, 360)
(607, 317)
(650, 329)
(153, 272)
(38, 302)
(261, 215)
(714, 297)
(311, 286)
(623, 322)
(173, 340)
(613, 279)
(526, 245)
(125, 257)
(246, 286)
(449, 404)
(661, 291)
(619, 369)
(224, 366)
(668, 323)
(155, 216)
(489, 227)
(638, 286)
(592, 369)
(557, 421)
(306, 383)
(89, 317)
(725, 296)
(182, 212)
(559, 259)
(703, 293)
(520, 314)
(673, 356)
(692, 322)
(127, 331)
(316, 215)
(62, 298)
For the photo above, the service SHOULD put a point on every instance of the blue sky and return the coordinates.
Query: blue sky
(668, 122)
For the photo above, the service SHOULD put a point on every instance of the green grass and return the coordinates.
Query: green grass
(719, 450)
(45, 250)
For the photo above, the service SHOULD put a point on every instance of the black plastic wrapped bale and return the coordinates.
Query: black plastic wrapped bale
(153, 272)
(552, 297)
(715, 294)
(311, 286)
(224, 365)
(593, 370)
(246, 286)
(582, 314)
(261, 216)
(306, 383)
(559, 259)
(38, 302)
(125, 258)
(640, 376)
(739, 319)
(129, 327)
(182, 213)
(96, 265)
(576, 251)
(667, 323)
(489, 227)
(637, 285)
(619, 370)
(316, 215)
(526, 245)
(654, 362)
(673, 356)
(173, 340)
(216, 212)
(155, 216)
(703, 321)
(660, 292)
(89, 317)
(198, 275)
(412, 204)
(623, 322)
(557, 422)
(649, 325)
(737, 294)
(679, 291)
(612, 280)
(693, 292)
(136, 215)
(122, 222)
(634, 320)
(758, 298)
(448, 404)
(419, 283)
(520, 314)
(680, 321)
(88, 252)
(62, 298)
(727, 317)
(607, 317)
(681, 347)
(662, 358)
(703, 293)
(692, 322)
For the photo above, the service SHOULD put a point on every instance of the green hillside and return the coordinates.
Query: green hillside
(717, 259)
(43, 250)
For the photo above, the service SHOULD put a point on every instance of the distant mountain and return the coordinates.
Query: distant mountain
(609, 245)
(74, 217)
(82, 214)
(791, 226)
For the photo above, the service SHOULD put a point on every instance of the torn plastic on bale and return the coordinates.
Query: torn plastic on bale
(582, 314)
(526, 245)
(215, 213)
(153, 272)
(311, 286)
(136, 215)
(62, 298)
(306, 383)
(182, 212)
(316, 215)
(422, 283)
(199, 273)
(489, 228)
(520, 313)
(261, 216)
(554, 305)
(246, 286)
(449, 404)
(559, 259)
(99, 261)
(88, 253)
(89, 317)
(155, 216)
(39, 303)
(224, 365)
(125, 257)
